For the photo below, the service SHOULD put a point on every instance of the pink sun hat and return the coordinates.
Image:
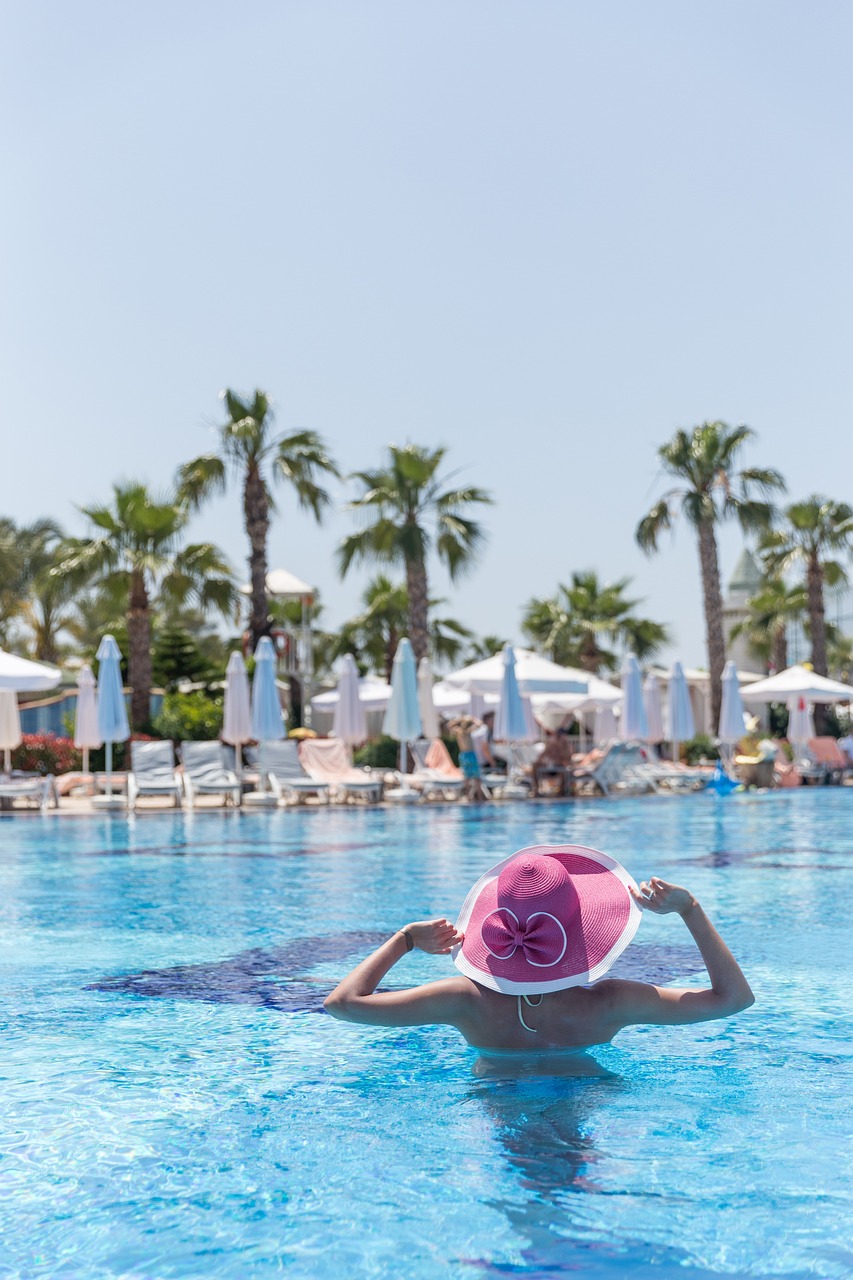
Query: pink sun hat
(549, 917)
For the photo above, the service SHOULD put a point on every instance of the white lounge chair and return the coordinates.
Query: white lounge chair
(435, 773)
(329, 760)
(206, 773)
(152, 772)
(37, 789)
(618, 768)
(282, 777)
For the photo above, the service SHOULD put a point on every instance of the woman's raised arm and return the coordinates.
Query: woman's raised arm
(638, 1002)
(355, 999)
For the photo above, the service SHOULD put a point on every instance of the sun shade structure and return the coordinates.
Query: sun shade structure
(633, 726)
(403, 715)
(654, 709)
(267, 720)
(426, 702)
(533, 673)
(511, 722)
(10, 726)
(605, 727)
(349, 724)
(24, 676)
(681, 723)
(731, 712)
(798, 682)
(112, 708)
(237, 708)
(86, 734)
(800, 721)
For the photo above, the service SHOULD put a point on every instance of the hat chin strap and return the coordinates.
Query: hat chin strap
(534, 1004)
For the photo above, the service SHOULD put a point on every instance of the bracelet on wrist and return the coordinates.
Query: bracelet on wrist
(407, 938)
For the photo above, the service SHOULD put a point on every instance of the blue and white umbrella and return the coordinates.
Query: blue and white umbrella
(634, 726)
(654, 709)
(511, 723)
(267, 720)
(681, 725)
(112, 708)
(349, 723)
(403, 714)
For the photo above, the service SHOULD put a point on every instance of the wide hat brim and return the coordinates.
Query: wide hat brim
(597, 925)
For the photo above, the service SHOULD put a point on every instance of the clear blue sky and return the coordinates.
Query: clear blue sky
(544, 234)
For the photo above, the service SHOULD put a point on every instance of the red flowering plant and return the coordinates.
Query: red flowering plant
(46, 753)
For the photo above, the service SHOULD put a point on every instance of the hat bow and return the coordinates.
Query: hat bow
(541, 939)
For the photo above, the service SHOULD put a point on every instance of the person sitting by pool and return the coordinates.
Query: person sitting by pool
(534, 939)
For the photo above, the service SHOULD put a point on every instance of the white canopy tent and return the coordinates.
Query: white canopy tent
(797, 682)
(534, 674)
(23, 676)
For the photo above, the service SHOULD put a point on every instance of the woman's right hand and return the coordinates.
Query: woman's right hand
(434, 936)
(662, 897)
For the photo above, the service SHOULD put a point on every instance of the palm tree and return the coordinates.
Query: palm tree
(574, 625)
(29, 591)
(409, 512)
(135, 548)
(483, 647)
(374, 634)
(769, 614)
(710, 491)
(256, 456)
(812, 531)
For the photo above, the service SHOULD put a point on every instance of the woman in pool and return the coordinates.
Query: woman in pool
(534, 938)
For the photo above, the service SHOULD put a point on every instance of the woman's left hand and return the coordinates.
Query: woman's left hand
(434, 936)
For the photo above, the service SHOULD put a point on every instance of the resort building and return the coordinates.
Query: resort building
(744, 583)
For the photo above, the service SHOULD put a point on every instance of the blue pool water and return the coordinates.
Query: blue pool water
(174, 1103)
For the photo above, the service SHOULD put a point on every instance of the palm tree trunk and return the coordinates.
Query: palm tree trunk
(817, 614)
(416, 581)
(256, 518)
(713, 600)
(139, 651)
(779, 652)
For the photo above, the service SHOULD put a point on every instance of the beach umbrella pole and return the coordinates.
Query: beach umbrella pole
(7, 759)
(109, 766)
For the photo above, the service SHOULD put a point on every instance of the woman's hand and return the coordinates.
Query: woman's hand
(434, 936)
(662, 897)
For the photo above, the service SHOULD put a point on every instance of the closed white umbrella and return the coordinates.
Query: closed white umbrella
(112, 709)
(24, 676)
(634, 725)
(10, 726)
(349, 723)
(605, 728)
(86, 735)
(267, 719)
(654, 709)
(681, 724)
(800, 722)
(731, 710)
(426, 703)
(510, 721)
(402, 715)
(237, 709)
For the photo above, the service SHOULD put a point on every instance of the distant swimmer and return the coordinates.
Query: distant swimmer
(534, 939)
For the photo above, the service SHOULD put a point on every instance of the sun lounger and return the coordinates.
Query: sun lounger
(283, 777)
(152, 772)
(435, 773)
(329, 760)
(826, 752)
(618, 768)
(669, 776)
(206, 773)
(39, 789)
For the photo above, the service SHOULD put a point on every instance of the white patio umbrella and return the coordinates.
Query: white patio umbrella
(349, 723)
(426, 702)
(112, 709)
(797, 682)
(267, 719)
(681, 724)
(24, 676)
(237, 709)
(634, 725)
(533, 673)
(731, 711)
(654, 709)
(511, 724)
(402, 715)
(10, 726)
(605, 727)
(86, 735)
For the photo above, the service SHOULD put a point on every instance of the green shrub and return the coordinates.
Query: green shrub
(45, 753)
(699, 748)
(384, 753)
(189, 717)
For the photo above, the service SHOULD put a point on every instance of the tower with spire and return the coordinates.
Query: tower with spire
(744, 583)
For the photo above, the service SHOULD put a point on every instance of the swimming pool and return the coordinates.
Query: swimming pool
(174, 1105)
